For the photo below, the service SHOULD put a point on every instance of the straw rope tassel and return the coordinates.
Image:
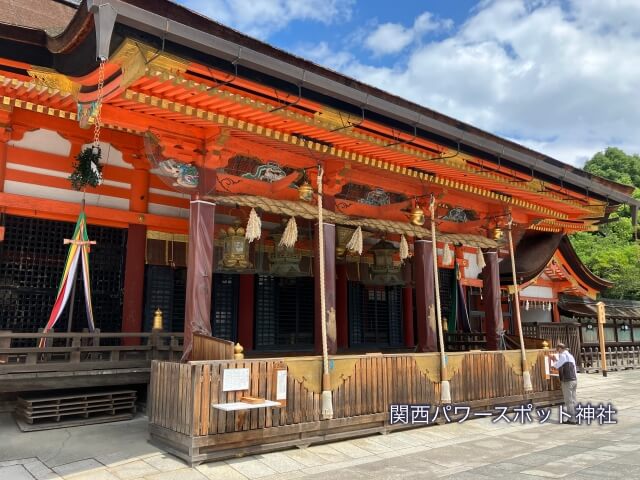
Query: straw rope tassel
(447, 257)
(254, 227)
(327, 402)
(355, 244)
(404, 249)
(445, 387)
(480, 259)
(526, 376)
(290, 235)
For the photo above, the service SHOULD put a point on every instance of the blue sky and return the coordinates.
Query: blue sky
(559, 76)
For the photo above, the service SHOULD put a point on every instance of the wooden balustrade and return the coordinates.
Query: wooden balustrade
(73, 359)
(363, 387)
(617, 358)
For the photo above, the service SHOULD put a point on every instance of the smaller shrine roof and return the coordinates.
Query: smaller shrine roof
(584, 307)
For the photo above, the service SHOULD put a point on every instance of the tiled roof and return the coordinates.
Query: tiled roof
(49, 15)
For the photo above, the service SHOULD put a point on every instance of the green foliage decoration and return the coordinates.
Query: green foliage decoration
(87, 170)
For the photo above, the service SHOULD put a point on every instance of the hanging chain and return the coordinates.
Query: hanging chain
(98, 120)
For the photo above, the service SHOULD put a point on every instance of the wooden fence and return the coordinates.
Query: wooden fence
(183, 421)
(211, 348)
(617, 358)
(81, 359)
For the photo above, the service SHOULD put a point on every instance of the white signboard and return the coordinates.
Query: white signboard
(281, 385)
(547, 366)
(235, 379)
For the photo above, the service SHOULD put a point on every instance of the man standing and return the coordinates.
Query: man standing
(566, 365)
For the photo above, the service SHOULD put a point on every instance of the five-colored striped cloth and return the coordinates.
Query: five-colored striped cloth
(78, 249)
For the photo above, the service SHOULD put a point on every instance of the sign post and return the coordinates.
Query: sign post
(601, 322)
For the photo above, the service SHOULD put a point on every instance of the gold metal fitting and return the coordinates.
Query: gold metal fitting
(238, 351)
(157, 320)
(305, 192)
(417, 216)
(497, 233)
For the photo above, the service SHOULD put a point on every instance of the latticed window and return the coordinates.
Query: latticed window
(284, 312)
(375, 315)
(32, 258)
(224, 306)
(165, 288)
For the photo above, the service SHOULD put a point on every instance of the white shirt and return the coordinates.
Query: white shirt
(564, 357)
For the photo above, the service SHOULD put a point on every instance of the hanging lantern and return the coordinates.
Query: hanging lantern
(284, 261)
(417, 216)
(305, 192)
(235, 253)
(526, 305)
(384, 271)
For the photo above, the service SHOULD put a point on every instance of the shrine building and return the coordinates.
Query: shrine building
(218, 155)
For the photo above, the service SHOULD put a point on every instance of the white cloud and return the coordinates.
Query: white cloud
(260, 18)
(560, 77)
(390, 38)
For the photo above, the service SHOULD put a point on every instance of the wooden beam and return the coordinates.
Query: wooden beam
(55, 209)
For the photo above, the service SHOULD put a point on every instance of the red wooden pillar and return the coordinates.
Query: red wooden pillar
(132, 303)
(425, 296)
(329, 286)
(134, 282)
(246, 317)
(342, 292)
(492, 301)
(3, 159)
(5, 136)
(555, 313)
(407, 314)
(199, 272)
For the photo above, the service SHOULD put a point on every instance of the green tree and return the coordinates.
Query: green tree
(612, 252)
(614, 164)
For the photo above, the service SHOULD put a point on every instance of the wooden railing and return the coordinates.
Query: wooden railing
(617, 358)
(211, 348)
(363, 388)
(554, 333)
(463, 342)
(66, 357)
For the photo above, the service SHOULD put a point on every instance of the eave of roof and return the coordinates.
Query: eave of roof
(586, 275)
(184, 27)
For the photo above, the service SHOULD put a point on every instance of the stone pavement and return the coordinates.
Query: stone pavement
(475, 449)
